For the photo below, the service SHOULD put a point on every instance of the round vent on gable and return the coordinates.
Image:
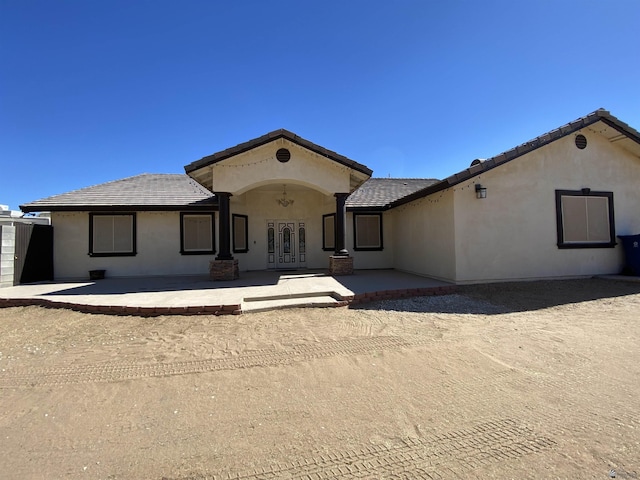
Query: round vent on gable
(581, 142)
(283, 155)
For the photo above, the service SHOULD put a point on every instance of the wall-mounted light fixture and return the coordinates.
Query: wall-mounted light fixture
(481, 192)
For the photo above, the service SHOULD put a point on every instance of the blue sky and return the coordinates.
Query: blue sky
(92, 91)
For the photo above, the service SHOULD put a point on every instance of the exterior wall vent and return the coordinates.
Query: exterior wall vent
(283, 155)
(581, 142)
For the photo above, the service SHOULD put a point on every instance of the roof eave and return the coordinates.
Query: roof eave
(31, 208)
(369, 208)
(431, 189)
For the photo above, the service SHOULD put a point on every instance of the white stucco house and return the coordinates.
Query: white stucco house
(549, 208)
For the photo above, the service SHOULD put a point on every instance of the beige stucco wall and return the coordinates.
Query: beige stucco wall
(424, 236)
(367, 260)
(158, 247)
(158, 238)
(259, 166)
(511, 234)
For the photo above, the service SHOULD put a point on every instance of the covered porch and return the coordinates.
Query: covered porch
(274, 194)
(280, 226)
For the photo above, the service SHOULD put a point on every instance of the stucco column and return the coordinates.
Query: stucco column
(225, 226)
(341, 221)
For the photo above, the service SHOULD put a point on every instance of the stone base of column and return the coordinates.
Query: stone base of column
(224, 269)
(339, 265)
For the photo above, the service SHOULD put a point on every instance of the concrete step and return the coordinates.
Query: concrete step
(294, 300)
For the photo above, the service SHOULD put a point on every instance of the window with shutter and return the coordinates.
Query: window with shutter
(197, 233)
(329, 232)
(367, 229)
(112, 234)
(240, 233)
(585, 219)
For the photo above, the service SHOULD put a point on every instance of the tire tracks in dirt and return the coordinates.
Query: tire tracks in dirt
(447, 455)
(116, 372)
(430, 456)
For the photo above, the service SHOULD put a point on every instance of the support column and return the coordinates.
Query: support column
(340, 263)
(224, 224)
(224, 267)
(341, 222)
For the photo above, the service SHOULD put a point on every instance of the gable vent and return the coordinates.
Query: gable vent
(581, 142)
(283, 155)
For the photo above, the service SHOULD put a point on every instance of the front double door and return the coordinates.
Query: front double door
(286, 244)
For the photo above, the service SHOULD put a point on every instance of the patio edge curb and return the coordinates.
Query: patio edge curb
(231, 309)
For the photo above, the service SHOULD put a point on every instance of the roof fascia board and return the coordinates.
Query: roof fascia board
(377, 208)
(622, 127)
(118, 208)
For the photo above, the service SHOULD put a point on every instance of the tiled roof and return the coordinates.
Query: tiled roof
(142, 192)
(269, 137)
(380, 192)
(178, 191)
(479, 167)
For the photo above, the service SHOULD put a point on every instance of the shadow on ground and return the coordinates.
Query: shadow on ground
(500, 298)
(119, 286)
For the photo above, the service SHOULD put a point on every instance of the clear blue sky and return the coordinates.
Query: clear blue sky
(92, 91)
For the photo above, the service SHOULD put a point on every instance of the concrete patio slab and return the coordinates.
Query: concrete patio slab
(198, 294)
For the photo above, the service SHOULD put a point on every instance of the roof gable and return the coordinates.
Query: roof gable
(619, 131)
(141, 192)
(270, 137)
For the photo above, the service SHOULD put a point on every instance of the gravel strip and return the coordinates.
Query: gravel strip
(454, 303)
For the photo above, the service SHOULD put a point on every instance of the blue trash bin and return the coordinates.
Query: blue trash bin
(631, 246)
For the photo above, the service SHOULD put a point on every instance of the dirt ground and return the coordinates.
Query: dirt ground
(523, 380)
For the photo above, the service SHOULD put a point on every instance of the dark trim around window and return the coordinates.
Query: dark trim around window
(585, 192)
(355, 232)
(246, 232)
(131, 253)
(325, 247)
(213, 233)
